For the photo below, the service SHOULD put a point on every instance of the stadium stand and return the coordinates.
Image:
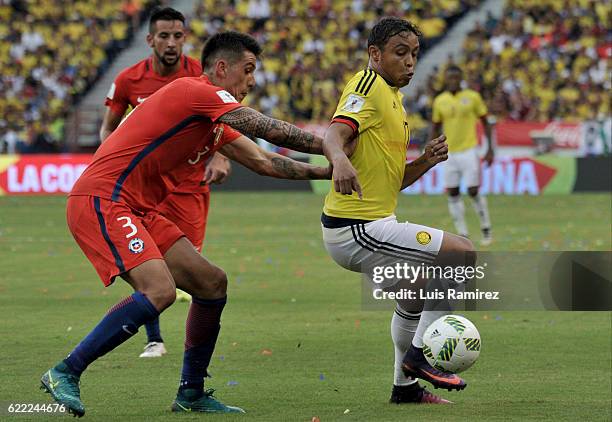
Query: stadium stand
(312, 47)
(51, 52)
(543, 60)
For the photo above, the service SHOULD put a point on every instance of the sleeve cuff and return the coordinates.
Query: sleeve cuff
(354, 124)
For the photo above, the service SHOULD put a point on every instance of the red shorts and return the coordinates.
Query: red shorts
(189, 212)
(115, 238)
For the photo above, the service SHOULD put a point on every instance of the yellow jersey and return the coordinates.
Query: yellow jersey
(374, 109)
(458, 114)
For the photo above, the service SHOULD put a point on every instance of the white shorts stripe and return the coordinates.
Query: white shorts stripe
(386, 248)
(395, 246)
(384, 242)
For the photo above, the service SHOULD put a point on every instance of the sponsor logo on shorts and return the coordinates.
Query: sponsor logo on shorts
(423, 238)
(136, 245)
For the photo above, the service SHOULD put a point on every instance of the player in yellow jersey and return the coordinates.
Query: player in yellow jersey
(366, 144)
(456, 112)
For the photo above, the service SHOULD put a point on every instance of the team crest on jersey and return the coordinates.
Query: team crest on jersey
(465, 101)
(136, 245)
(226, 97)
(423, 238)
(354, 103)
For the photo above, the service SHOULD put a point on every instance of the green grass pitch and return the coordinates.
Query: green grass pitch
(323, 353)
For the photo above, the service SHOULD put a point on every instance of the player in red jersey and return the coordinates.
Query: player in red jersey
(112, 211)
(188, 205)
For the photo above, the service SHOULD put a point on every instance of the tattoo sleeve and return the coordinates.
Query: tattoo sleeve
(286, 168)
(252, 123)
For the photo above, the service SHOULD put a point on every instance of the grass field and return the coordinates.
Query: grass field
(324, 353)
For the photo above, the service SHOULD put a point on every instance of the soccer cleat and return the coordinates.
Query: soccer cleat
(181, 296)
(191, 400)
(153, 349)
(64, 388)
(487, 237)
(416, 366)
(414, 393)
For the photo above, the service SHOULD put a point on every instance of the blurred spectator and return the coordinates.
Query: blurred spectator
(51, 52)
(543, 60)
(312, 47)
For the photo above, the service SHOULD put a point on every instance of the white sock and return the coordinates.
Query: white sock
(457, 212)
(403, 327)
(427, 317)
(482, 209)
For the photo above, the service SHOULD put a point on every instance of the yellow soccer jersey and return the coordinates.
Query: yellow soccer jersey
(374, 109)
(458, 115)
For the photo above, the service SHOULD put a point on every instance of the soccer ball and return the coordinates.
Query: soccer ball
(451, 343)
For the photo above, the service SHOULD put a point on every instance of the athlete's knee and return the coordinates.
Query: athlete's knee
(453, 192)
(210, 283)
(466, 252)
(457, 250)
(218, 282)
(161, 296)
(473, 191)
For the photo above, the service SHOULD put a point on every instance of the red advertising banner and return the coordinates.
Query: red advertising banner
(40, 174)
(513, 134)
(509, 176)
(519, 134)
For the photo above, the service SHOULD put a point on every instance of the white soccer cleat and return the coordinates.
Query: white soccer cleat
(153, 350)
(487, 237)
(181, 296)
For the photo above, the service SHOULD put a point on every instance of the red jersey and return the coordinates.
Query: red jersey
(159, 143)
(135, 83)
(139, 81)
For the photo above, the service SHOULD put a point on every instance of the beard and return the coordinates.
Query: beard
(167, 61)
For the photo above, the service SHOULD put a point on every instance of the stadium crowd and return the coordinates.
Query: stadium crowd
(542, 60)
(51, 52)
(312, 47)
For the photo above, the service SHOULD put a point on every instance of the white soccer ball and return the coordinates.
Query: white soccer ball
(451, 343)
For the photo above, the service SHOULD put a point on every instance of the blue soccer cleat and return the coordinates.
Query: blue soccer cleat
(191, 400)
(64, 388)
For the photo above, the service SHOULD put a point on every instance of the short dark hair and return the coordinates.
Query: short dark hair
(164, 14)
(454, 68)
(231, 45)
(389, 27)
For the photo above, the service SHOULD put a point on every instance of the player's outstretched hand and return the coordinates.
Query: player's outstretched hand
(217, 170)
(345, 178)
(436, 150)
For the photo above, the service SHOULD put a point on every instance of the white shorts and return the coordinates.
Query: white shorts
(385, 242)
(464, 164)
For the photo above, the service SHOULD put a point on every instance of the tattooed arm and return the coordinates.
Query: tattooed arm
(249, 154)
(252, 123)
